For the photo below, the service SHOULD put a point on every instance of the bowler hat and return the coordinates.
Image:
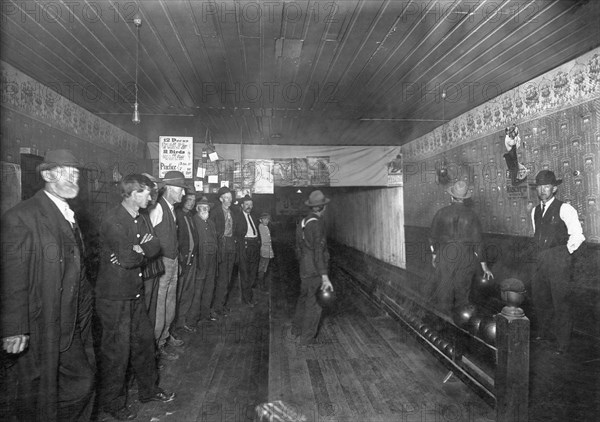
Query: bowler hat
(204, 201)
(58, 158)
(149, 176)
(547, 177)
(316, 198)
(174, 178)
(222, 191)
(460, 190)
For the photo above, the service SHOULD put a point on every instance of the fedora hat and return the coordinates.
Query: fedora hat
(246, 198)
(222, 191)
(460, 190)
(174, 178)
(316, 198)
(547, 177)
(265, 215)
(58, 158)
(204, 201)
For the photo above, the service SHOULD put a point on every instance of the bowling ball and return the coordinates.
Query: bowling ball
(326, 298)
(463, 315)
(474, 325)
(488, 331)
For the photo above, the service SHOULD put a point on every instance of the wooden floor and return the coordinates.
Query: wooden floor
(365, 368)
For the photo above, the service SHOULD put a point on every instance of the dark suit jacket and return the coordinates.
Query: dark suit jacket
(183, 235)
(241, 226)
(218, 217)
(44, 293)
(118, 233)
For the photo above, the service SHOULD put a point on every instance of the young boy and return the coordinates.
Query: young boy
(266, 249)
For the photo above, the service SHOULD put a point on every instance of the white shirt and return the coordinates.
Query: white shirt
(568, 214)
(156, 213)
(250, 224)
(63, 207)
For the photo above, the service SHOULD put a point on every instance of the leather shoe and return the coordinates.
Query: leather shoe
(123, 414)
(175, 342)
(164, 355)
(161, 396)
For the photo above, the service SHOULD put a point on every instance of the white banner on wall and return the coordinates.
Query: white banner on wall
(175, 153)
(333, 166)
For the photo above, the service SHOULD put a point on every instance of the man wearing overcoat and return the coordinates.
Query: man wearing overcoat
(46, 303)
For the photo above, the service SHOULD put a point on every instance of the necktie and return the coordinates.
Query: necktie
(251, 224)
(543, 208)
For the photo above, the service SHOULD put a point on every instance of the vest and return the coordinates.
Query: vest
(550, 231)
(166, 231)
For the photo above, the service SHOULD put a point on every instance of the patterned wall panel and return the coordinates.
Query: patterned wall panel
(558, 116)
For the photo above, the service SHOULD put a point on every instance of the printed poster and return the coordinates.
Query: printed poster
(176, 153)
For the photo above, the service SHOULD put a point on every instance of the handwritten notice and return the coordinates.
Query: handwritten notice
(175, 153)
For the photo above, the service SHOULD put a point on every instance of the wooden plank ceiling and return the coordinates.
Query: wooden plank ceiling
(346, 72)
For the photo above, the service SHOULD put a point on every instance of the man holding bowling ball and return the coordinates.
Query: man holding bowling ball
(311, 248)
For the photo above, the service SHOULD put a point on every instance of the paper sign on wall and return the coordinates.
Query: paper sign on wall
(175, 153)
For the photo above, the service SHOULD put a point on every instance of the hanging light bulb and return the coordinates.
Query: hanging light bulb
(136, 113)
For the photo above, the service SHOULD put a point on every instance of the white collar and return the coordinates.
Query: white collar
(63, 207)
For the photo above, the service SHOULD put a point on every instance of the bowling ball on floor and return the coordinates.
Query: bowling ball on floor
(326, 298)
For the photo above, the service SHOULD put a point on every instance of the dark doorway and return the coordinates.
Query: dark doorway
(31, 179)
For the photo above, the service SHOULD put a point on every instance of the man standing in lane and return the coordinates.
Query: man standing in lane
(207, 265)
(557, 234)
(187, 236)
(248, 242)
(163, 219)
(225, 224)
(127, 335)
(46, 302)
(314, 263)
(457, 246)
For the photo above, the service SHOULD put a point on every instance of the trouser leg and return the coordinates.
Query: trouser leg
(143, 360)
(308, 311)
(166, 301)
(75, 383)
(186, 294)
(115, 319)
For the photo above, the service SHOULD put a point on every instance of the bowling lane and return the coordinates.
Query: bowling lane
(364, 367)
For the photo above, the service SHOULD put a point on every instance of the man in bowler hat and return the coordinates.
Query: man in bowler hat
(225, 225)
(164, 222)
(314, 266)
(557, 234)
(457, 245)
(46, 302)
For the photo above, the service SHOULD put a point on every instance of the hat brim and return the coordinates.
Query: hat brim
(49, 166)
(174, 182)
(556, 183)
(210, 204)
(316, 204)
(454, 195)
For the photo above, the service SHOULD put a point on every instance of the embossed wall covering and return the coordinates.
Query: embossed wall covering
(558, 116)
(35, 116)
